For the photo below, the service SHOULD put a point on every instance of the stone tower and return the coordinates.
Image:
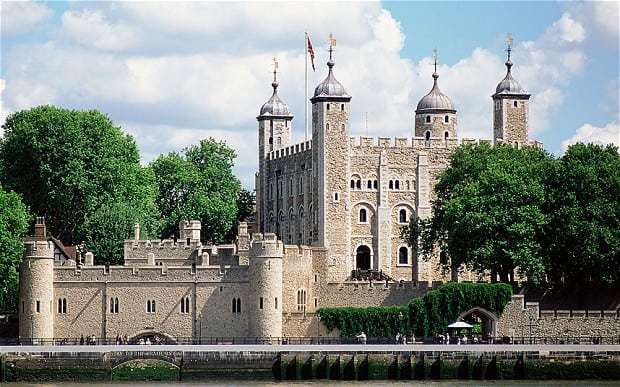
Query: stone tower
(435, 115)
(274, 133)
(36, 286)
(265, 279)
(331, 170)
(510, 109)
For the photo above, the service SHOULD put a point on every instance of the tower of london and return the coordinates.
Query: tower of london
(328, 217)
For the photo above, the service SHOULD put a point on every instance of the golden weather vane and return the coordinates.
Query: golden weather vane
(332, 40)
(509, 39)
(275, 63)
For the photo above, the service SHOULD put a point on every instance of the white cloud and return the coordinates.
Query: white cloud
(90, 28)
(567, 30)
(601, 18)
(19, 17)
(609, 134)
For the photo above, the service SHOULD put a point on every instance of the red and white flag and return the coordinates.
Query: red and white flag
(310, 51)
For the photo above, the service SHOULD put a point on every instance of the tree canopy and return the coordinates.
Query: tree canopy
(198, 184)
(501, 208)
(14, 222)
(69, 166)
(582, 244)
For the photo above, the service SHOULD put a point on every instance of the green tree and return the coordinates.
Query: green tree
(582, 242)
(14, 222)
(69, 165)
(198, 184)
(246, 201)
(488, 212)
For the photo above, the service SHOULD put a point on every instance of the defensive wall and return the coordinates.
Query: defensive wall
(306, 362)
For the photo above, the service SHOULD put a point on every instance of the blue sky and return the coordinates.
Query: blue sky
(173, 73)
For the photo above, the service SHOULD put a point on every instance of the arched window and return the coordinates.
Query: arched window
(301, 185)
(114, 305)
(341, 107)
(397, 184)
(403, 256)
(358, 184)
(301, 299)
(369, 185)
(279, 141)
(402, 216)
(62, 306)
(150, 306)
(352, 183)
(391, 184)
(446, 119)
(516, 104)
(428, 119)
(363, 215)
(374, 184)
(427, 135)
(446, 135)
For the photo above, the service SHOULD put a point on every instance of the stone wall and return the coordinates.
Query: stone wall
(575, 325)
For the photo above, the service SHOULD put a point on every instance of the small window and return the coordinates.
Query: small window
(301, 299)
(276, 302)
(327, 126)
(327, 106)
(38, 306)
(428, 119)
(391, 185)
(114, 305)
(279, 141)
(270, 124)
(336, 196)
(150, 306)
(397, 184)
(402, 216)
(427, 136)
(236, 305)
(316, 302)
(352, 183)
(358, 184)
(374, 184)
(369, 185)
(446, 119)
(342, 107)
(260, 303)
(516, 104)
(342, 127)
(362, 215)
(446, 135)
(62, 306)
(403, 256)
(185, 305)
(270, 140)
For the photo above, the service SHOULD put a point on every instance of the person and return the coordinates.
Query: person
(447, 338)
(361, 337)
(82, 339)
(412, 338)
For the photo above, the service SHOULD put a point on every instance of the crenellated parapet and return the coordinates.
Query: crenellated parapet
(290, 150)
(266, 246)
(378, 143)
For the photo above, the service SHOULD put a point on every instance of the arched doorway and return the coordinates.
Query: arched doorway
(486, 320)
(362, 259)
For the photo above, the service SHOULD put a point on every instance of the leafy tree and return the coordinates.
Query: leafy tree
(68, 165)
(246, 200)
(14, 222)
(488, 212)
(198, 184)
(582, 242)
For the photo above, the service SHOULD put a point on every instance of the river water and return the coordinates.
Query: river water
(341, 383)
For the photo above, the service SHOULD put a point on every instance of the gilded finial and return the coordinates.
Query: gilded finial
(509, 41)
(435, 58)
(332, 40)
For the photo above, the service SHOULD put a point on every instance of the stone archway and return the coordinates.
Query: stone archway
(486, 319)
(362, 258)
(154, 338)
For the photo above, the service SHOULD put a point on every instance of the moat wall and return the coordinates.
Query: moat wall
(271, 364)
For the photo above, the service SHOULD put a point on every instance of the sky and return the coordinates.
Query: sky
(173, 73)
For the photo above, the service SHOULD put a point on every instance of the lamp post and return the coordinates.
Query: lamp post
(531, 319)
(318, 328)
(400, 319)
(200, 325)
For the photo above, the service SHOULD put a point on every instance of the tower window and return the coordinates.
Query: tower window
(150, 306)
(391, 185)
(358, 184)
(342, 127)
(446, 135)
(352, 183)
(301, 299)
(279, 141)
(516, 103)
(374, 184)
(260, 303)
(185, 305)
(62, 306)
(363, 217)
(38, 306)
(276, 302)
(369, 185)
(427, 135)
(236, 305)
(270, 140)
(403, 256)
(402, 216)
(428, 119)
(327, 125)
(446, 119)
(336, 198)
(397, 184)
(342, 107)
(327, 106)
(114, 305)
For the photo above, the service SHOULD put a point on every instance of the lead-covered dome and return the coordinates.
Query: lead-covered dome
(330, 87)
(435, 100)
(509, 85)
(275, 106)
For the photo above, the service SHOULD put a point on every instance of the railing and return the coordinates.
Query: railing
(513, 340)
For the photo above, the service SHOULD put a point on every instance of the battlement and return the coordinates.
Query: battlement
(290, 150)
(366, 143)
(39, 248)
(266, 246)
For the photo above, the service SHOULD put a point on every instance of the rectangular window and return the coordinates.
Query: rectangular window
(38, 306)
(260, 303)
(276, 303)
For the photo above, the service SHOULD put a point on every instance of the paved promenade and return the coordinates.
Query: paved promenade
(332, 348)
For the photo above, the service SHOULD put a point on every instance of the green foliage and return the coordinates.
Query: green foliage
(246, 200)
(487, 215)
(198, 185)
(375, 321)
(68, 165)
(14, 222)
(423, 316)
(582, 244)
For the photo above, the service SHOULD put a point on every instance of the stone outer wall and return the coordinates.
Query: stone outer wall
(586, 325)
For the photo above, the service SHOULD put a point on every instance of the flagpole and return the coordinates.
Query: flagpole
(306, 85)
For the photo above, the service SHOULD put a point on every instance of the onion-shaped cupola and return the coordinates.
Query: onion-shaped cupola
(330, 88)
(435, 101)
(509, 85)
(274, 107)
